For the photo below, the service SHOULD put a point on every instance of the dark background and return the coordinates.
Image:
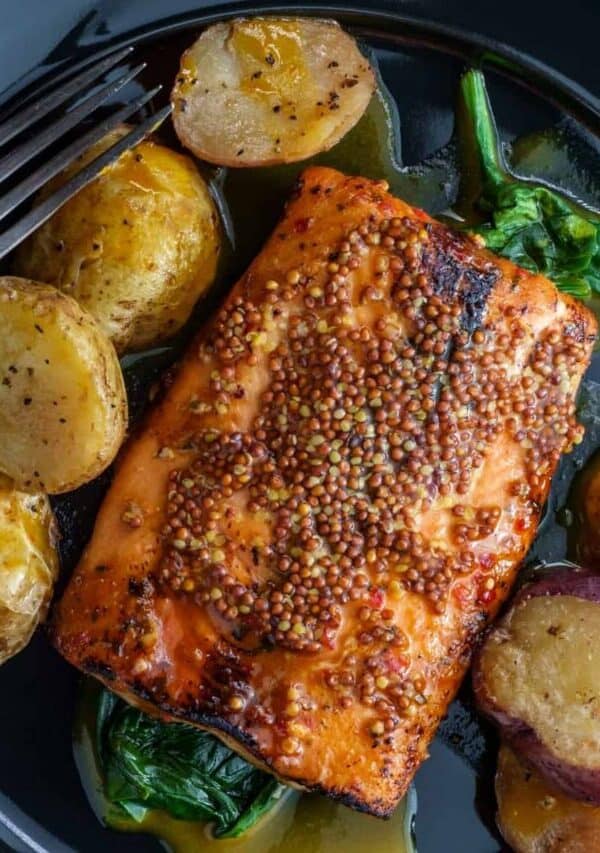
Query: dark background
(566, 38)
(565, 35)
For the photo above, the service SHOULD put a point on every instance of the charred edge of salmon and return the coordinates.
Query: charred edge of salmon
(458, 270)
(234, 737)
(237, 739)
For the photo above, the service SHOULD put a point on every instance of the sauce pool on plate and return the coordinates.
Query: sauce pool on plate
(301, 823)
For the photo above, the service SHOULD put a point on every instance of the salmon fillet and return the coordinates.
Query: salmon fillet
(303, 543)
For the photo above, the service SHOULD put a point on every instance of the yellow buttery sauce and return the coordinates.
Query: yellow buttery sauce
(301, 823)
(274, 47)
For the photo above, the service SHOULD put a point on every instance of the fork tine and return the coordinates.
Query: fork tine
(42, 106)
(29, 86)
(36, 179)
(44, 211)
(23, 153)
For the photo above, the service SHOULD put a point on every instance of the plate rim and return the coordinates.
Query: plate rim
(393, 28)
(396, 28)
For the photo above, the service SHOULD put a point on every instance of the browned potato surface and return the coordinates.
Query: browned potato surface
(28, 565)
(269, 90)
(63, 407)
(534, 818)
(136, 248)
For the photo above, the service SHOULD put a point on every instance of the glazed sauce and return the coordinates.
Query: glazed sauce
(253, 40)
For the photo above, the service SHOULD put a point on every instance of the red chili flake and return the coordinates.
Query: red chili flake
(376, 599)
(520, 525)
(328, 639)
(302, 225)
(387, 210)
(396, 663)
(487, 596)
(486, 561)
(462, 594)
(522, 275)
(281, 727)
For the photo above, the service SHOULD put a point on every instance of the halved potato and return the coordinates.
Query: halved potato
(534, 818)
(269, 90)
(538, 677)
(28, 565)
(63, 406)
(136, 248)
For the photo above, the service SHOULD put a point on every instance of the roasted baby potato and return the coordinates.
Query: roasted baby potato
(136, 248)
(534, 818)
(63, 406)
(269, 90)
(28, 565)
(537, 677)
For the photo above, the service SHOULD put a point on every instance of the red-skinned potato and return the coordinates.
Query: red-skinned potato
(534, 818)
(537, 676)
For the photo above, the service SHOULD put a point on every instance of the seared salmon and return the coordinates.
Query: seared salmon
(303, 543)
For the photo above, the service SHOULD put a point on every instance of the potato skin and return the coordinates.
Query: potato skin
(28, 565)
(563, 580)
(63, 405)
(562, 772)
(136, 248)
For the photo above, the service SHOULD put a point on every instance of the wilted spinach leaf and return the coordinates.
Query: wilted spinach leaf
(148, 764)
(534, 225)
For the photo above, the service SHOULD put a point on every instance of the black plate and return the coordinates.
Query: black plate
(42, 805)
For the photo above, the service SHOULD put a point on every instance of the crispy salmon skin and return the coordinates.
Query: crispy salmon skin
(302, 545)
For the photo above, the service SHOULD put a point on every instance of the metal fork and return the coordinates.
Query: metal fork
(78, 87)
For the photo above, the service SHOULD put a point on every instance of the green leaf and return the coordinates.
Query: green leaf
(266, 799)
(191, 774)
(532, 224)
